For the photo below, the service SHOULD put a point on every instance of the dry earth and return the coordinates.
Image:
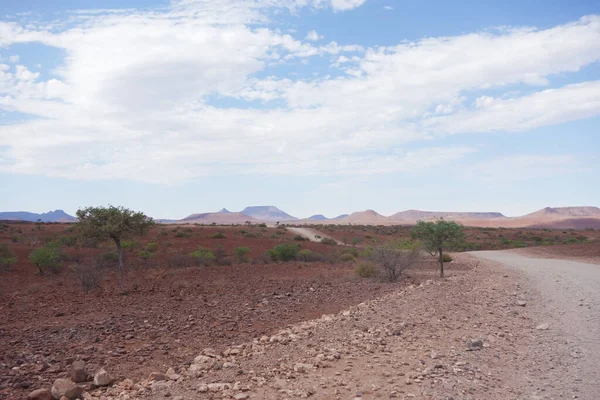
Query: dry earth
(484, 332)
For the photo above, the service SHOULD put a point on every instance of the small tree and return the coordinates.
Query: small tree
(437, 235)
(114, 223)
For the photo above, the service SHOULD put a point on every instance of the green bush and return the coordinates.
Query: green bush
(130, 244)
(7, 257)
(203, 256)
(45, 257)
(109, 257)
(300, 238)
(145, 254)
(284, 252)
(366, 270)
(262, 225)
(519, 244)
(347, 257)
(241, 253)
(447, 258)
(218, 235)
(68, 240)
(152, 247)
(328, 241)
(180, 234)
(305, 255)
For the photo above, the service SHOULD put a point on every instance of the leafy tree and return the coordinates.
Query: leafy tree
(114, 223)
(45, 257)
(7, 257)
(437, 235)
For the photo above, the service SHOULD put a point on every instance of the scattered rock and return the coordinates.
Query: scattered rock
(241, 396)
(78, 373)
(157, 377)
(64, 387)
(40, 394)
(475, 344)
(521, 303)
(103, 378)
(543, 327)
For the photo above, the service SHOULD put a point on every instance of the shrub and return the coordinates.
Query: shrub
(152, 247)
(45, 257)
(219, 254)
(218, 235)
(109, 257)
(7, 257)
(180, 234)
(164, 232)
(241, 254)
(393, 262)
(328, 241)
(263, 225)
(447, 258)
(130, 244)
(347, 257)
(68, 240)
(203, 256)
(305, 255)
(284, 252)
(519, 244)
(250, 235)
(145, 254)
(355, 241)
(89, 275)
(300, 238)
(179, 259)
(365, 270)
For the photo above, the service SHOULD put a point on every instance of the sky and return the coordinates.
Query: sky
(314, 106)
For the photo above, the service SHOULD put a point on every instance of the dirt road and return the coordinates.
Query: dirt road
(311, 234)
(571, 296)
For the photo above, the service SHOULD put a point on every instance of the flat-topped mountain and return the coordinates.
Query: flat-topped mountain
(267, 213)
(50, 216)
(417, 215)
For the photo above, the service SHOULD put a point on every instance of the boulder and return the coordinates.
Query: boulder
(64, 387)
(40, 394)
(78, 373)
(476, 344)
(103, 378)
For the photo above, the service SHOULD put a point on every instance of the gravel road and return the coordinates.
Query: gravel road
(570, 294)
(311, 234)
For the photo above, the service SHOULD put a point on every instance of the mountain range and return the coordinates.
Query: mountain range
(50, 216)
(549, 217)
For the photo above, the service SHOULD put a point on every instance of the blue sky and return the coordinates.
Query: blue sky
(316, 106)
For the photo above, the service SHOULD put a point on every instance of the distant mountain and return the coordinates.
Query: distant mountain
(341, 216)
(225, 211)
(364, 217)
(412, 216)
(267, 213)
(222, 217)
(566, 212)
(318, 217)
(50, 216)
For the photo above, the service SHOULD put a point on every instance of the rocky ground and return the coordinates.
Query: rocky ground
(478, 334)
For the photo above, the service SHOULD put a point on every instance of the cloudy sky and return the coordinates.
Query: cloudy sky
(316, 106)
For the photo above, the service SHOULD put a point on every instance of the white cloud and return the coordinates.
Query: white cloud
(343, 5)
(13, 59)
(389, 8)
(521, 168)
(169, 102)
(313, 36)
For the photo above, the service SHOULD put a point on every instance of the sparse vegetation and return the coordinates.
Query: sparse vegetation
(366, 270)
(89, 275)
(46, 257)
(218, 235)
(7, 257)
(328, 241)
(203, 256)
(284, 252)
(241, 254)
(393, 261)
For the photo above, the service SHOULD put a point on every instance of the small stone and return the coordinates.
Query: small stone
(64, 387)
(78, 373)
(521, 303)
(241, 396)
(172, 375)
(103, 378)
(543, 327)
(40, 394)
(475, 344)
(157, 376)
